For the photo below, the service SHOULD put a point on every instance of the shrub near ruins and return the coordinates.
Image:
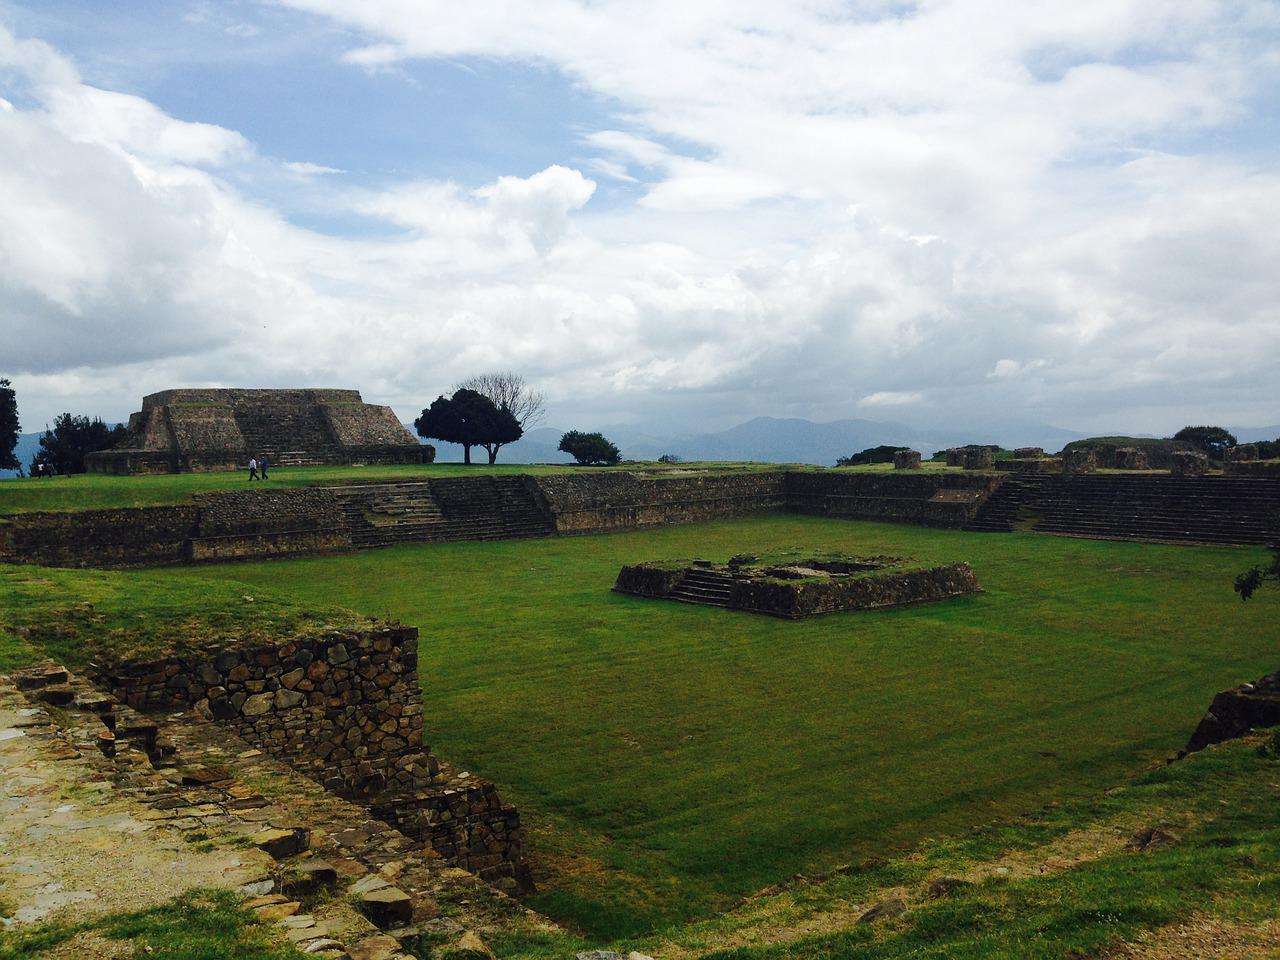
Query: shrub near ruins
(590, 448)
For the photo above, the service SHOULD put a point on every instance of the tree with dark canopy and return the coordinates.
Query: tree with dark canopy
(1208, 440)
(589, 448)
(508, 389)
(63, 449)
(1248, 582)
(9, 427)
(470, 419)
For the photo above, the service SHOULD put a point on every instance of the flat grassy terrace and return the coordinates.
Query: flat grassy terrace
(91, 491)
(671, 759)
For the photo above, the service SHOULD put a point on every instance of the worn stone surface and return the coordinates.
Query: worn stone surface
(906, 460)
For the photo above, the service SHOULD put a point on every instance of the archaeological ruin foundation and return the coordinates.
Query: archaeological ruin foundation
(795, 588)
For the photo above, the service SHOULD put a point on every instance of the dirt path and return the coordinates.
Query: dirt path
(71, 846)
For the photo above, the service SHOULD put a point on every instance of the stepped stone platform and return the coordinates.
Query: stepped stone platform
(1202, 509)
(797, 588)
(184, 430)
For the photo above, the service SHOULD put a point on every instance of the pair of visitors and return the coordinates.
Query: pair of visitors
(253, 468)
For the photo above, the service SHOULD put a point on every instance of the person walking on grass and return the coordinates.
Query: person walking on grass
(262, 466)
(253, 468)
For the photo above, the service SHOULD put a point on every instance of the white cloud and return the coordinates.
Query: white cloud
(964, 205)
(892, 398)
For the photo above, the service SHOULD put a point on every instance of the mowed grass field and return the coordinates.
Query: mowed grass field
(670, 759)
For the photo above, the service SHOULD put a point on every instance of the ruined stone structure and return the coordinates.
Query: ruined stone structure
(254, 523)
(906, 460)
(799, 589)
(1028, 453)
(1138, 506)
(212, 429)
(345, 709)
(1079, 461)
(1242, 453)
(1235, 712)
(1129, 458)
(1189, 463)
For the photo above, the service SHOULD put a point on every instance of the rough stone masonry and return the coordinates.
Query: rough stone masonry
(345, 709)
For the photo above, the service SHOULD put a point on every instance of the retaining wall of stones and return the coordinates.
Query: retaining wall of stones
(1233, 713)
(345, 709)
(590, 503)
(255, 523)
(931, 499)
(798, 599)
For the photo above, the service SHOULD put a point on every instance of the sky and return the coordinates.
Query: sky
(678, 214)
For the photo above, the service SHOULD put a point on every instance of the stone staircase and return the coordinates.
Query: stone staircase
(379, 515)
(708, 587)
(1010, 506)
(490, 508)
(1138, 507)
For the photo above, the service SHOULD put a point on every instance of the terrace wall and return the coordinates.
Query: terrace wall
(590, 503)
(930, 499)
(345, 709)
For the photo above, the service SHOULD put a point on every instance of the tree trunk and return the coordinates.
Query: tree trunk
(466, 453)
(493, 453)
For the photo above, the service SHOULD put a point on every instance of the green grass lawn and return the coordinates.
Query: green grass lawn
(93, 491)
(672, 758)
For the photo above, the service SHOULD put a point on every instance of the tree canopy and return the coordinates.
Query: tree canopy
(1249, 581)
(589, 448)
(506, 388)
(471, 419)
(1211, 440)
(63, 449)
(9, 427)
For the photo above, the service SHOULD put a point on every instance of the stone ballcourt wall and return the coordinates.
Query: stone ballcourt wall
(930, 499)
(252, 523)
(591, 503)
(345, 709)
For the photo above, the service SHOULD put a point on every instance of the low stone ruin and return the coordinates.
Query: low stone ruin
(906, 460)
(344, 709)
(1242, 453)
(1028, 453)
(1079, 461)
(1233, 713)
(1190, 463)
(978, 458)
(1129, 458)
(798, 588)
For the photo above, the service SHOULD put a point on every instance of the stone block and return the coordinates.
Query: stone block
(386, 907)
(906, 460)
(1188, 463)
(281, 844)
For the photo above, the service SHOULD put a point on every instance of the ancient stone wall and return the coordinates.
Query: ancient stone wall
(345, 709)
(583, 503)
(263, 523)
(906, 460)
(932, 499)
(91, 538)
(796, 600)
